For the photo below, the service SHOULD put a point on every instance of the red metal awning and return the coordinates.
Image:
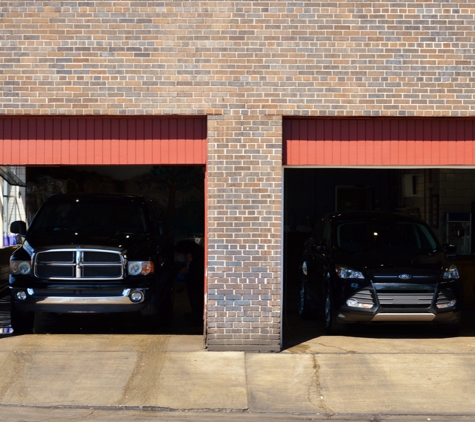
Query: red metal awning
(379, 141)
(102, 140)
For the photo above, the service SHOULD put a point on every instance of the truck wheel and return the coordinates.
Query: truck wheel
(165, 309)
(22, 322)
(149, 316)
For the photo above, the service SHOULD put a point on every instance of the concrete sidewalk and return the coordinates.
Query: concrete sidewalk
(325, 375)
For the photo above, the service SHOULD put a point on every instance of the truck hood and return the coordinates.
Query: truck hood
(86, 239)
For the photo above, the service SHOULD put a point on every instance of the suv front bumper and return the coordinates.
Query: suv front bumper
(347, 315)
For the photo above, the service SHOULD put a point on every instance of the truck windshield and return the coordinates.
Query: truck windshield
(385, 237)
(91, 214)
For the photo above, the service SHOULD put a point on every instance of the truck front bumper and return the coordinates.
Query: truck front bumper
(126, 300)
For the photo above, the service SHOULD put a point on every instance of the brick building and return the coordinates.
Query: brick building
(280, 85)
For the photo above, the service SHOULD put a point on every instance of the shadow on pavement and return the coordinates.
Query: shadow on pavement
(297, 331)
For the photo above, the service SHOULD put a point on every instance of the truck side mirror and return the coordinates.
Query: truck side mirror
(319, 247)
(18, 227)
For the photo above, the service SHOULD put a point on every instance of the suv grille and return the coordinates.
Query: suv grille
(85, 264)
(409, 299)
(402, 295)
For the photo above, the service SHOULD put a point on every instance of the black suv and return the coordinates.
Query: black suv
(379, 267)
(92, 253)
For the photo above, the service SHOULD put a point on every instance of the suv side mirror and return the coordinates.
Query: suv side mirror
(18, 227)
(449, 248)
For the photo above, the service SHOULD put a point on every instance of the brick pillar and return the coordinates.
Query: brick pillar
(244, 232)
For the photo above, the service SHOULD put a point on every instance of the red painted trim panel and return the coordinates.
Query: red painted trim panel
(379, 141)
(102, 140)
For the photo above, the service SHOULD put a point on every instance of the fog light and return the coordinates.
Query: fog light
(355, 304)
(449, 304)
(136, 296)
(21, 295)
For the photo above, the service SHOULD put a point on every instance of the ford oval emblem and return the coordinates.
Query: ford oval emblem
(405, 276)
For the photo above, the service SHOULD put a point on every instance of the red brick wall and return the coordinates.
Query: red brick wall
(193, 57)
(244, 249)
(244, 64)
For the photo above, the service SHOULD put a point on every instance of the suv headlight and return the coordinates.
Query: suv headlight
(20, 267)
(451, 273)
(140, 267)
(345, 272)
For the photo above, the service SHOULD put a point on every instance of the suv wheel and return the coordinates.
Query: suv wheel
(450, 329)
(305, 310)
(22, 322)
(332, 326)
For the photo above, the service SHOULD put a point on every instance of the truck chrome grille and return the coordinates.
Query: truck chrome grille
(74, 264)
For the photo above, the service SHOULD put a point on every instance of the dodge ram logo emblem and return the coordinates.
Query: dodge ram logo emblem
(405, 276)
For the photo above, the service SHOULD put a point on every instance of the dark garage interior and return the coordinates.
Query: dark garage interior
(308, 194)
(179, 191)
(432, 194)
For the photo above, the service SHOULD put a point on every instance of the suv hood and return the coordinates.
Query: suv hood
(381, 264)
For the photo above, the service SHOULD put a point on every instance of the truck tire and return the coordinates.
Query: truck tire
(22, 322)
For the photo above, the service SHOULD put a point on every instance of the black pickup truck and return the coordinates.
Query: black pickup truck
(98, 253)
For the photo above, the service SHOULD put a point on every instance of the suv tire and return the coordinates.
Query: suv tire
(332, 326)
(450, 329)
(306, 311)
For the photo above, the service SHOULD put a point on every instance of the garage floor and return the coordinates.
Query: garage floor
(299, 336)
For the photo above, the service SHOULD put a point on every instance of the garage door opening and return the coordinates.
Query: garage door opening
(177, 191)
(159, 156)
(443, 197)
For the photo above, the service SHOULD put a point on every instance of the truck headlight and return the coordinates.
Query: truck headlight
(140, 267)
(20, 267)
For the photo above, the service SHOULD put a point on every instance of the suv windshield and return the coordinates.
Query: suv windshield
(91, 214)
(384, 236)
